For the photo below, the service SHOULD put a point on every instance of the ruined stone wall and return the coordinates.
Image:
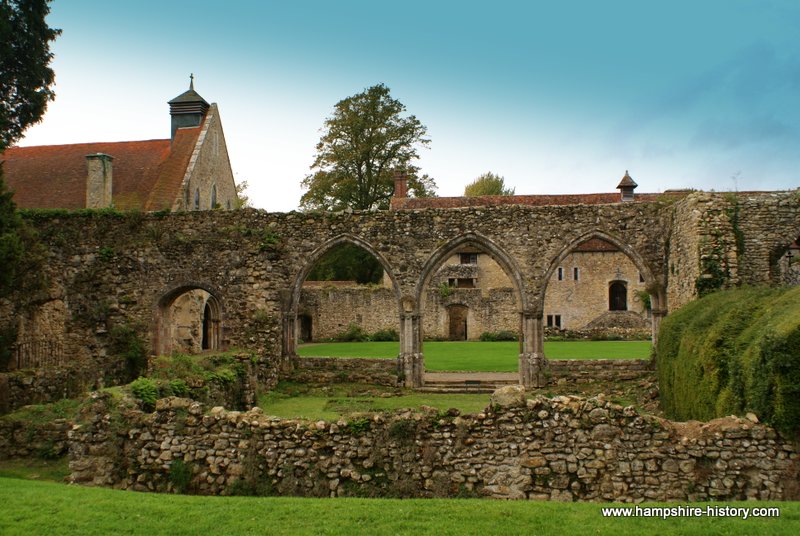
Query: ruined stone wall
(19, 439)
(333, 309)
(327, 370)
(563, 449)
(591, 370)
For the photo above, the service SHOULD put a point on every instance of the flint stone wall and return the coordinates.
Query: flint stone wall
(589, 370)
(563, 449)
(326, 370)
(20, 439)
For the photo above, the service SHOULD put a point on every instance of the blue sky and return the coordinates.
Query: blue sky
(557, 97)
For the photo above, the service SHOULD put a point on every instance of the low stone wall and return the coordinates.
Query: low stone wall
(325, 370)
(564, 449)
(587, 370)
(25, 440)
(39, 386)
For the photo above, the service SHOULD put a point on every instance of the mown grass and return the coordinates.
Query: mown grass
(47, 508)
(295, 401)
(35, 469)
(481, 356)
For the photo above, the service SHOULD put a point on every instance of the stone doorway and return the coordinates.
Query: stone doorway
(457, 315)
(617, 296)
(306, 328)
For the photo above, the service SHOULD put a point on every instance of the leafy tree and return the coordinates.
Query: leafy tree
(362, 145)
(242, 199)
(25, 73)
(347, 262)
(487, 184)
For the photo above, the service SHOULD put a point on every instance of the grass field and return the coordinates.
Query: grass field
(481, 356)
(294, 401)
(48, 508)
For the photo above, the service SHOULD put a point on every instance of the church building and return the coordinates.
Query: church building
(190, 170)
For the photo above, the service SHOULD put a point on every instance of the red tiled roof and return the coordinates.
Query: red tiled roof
(170, 177)
(413, 203)
(54, 176)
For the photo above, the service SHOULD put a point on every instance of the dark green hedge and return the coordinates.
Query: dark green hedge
(732, 352)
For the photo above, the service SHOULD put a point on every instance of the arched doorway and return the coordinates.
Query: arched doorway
(618, 296)
(188, 320)
(457, 316)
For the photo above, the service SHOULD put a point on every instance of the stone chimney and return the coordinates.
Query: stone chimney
(187, 109)
(626, 187)
(98, 180)
(400, 184)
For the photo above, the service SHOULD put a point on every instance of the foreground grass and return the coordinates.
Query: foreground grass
(294, 401)
(47, 508)
(481, 356)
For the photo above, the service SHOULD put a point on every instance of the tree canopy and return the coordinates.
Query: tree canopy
(487, 184)
(364, 142)
(25, 74)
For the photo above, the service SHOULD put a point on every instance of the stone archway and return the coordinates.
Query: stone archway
(414, 362)
(188, 319)
(294, 323)
(654, 286)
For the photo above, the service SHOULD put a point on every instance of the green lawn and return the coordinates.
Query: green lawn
(292, 401)
(47, 508)
(481, 356)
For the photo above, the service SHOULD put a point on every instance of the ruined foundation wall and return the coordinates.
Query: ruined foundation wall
(564, 449)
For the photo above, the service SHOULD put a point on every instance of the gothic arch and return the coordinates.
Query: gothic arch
(163, 316)
(290, 318)
(500, 256)
(657, 292)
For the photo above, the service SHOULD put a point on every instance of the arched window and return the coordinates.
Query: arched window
(213, 197)
(617, 296)
(197, 199)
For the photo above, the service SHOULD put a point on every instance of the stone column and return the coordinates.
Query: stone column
(658, 315)
(532, 361)
(289, 345)
(411, 363)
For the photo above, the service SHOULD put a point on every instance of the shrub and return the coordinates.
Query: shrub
(124, 341)
(494, 336)
(146, 391)
(180, 475)
(385, 335)
(732, 352)
(353, 333)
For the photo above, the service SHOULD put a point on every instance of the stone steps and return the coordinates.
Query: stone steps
(468, 386)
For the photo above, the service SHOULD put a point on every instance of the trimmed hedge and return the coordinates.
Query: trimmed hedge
(732, 352)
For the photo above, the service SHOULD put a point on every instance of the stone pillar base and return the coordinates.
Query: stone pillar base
(533, 370)
(411, 369)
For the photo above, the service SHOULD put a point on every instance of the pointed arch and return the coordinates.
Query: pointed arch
(498, 254)
(210, 322)
(647, 274)
(324, 248)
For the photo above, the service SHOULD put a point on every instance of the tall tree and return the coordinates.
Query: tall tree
(363, 143)
(488, 184)
(25, 74)
(25, 80)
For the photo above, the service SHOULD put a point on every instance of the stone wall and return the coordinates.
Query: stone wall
(26, 440)
(587, 370)
(110, 270)
(38, 386)
(563, 449)
(327, 370)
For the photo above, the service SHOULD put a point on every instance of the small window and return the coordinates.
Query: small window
(469, 258)
(554, 321)
(451, 282)
(197, 199)
(641, 278)
(575, 273)
(549, 321)
(560, 274)
(213, 197)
